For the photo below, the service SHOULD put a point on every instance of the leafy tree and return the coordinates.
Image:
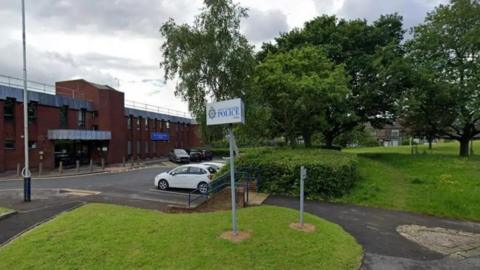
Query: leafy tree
(211, 58)
(446, 50)
(372, 55)
(304, 92)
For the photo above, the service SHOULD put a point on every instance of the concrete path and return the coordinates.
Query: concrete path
(375, 230)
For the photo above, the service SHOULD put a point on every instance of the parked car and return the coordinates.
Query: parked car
(179, 155)
(206, 154)
(215, 165)
(195, 155)
(194, 176)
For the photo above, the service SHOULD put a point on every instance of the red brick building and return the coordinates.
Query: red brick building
(83, 121)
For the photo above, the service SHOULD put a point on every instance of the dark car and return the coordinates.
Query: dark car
(195, 155)
(179, 155)
(206, 154)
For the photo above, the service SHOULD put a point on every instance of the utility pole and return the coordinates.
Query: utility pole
(26, 170)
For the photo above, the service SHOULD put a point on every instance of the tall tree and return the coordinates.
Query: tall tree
(372, 56)
(211, 59)
(305, 93)
(447, 48)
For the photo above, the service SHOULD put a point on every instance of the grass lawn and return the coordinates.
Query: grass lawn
(98, 236)
(4, 210)
(435, 182)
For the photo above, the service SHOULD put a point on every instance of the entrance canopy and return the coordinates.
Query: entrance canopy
(78, 134)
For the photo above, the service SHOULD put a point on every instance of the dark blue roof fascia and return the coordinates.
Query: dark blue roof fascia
(44, 99)
(159, 116)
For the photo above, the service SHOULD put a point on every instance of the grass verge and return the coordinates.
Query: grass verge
(435, 182)
(4, 211)
(98, 236)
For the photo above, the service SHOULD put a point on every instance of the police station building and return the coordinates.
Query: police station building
(80, 120)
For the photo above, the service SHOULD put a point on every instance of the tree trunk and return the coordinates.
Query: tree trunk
(307, 139)
(328, 141)
(464, 148)
(430, 140)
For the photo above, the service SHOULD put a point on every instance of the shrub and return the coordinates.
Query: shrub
(329, 173)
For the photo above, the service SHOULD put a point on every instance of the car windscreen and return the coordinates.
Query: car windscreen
(180, 152)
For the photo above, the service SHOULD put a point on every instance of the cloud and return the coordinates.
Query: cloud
(413, 11)
(262, 26)
(141, 17)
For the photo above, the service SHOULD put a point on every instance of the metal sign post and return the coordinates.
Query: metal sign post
(26, 170)
(303, 175)
(228, 112)
(232, 180)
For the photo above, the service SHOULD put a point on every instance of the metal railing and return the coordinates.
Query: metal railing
(153, 108)
(31, 85)
(221, 182)
(53, 90)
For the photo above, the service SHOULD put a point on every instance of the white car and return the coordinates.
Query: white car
(216, 165)
(194, 176)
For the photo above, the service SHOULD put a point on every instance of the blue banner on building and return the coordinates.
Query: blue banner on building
(160, 136)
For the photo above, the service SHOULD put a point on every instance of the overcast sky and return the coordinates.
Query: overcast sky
(116, 42)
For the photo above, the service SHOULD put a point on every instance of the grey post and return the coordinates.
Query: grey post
(77, 166)
(60, 167)
(103, 163)
(91, 165)
(303, 175)
(232, 181)
(26, 170)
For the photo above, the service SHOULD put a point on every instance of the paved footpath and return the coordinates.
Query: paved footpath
(375, 230)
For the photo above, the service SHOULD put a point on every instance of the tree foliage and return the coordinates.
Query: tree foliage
(211, 59)
(304, 92)
(445, 51)
(372, 57)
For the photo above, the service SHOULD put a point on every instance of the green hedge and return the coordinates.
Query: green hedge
(330, 173)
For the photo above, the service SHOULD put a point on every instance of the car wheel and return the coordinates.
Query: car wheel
(162, 184)
(203, 188)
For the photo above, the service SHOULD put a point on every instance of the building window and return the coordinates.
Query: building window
(138, 123)
(168, 124)
(395, 133)
(129, 122)
(9, 109)
(64, 117)
(146, 123)
(129, 148)
(32, 111)
(81, 118)
(146, 147)
(138, 148)
(9, 144)
(32, 145)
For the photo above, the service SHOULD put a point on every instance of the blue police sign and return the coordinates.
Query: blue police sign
(160, 136)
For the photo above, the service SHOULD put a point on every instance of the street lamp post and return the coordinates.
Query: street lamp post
(26, 170)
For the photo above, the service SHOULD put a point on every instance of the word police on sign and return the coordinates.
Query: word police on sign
(226, 112)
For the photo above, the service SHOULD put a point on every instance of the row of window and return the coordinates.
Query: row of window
(10, 144)
(9, 113)
(138, 144)
(163, 124)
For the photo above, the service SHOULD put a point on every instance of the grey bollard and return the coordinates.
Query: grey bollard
(91, 165)
(60, 167)
(40, 168)
(77, 168)
(103, 164)
(123, 162)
